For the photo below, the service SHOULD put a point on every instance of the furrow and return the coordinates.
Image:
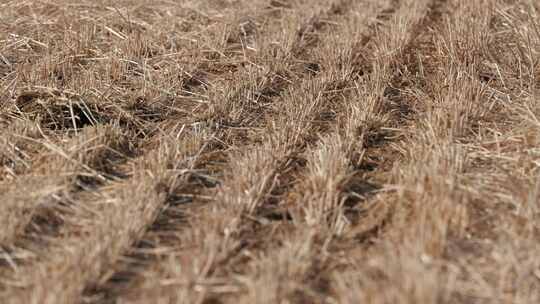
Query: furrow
(135, 74)
(57, 102)
(261, 187)
(76, 210)
(72, 293)
(104, 225)
(442, 244)
(79, 163)
(331, 190)
(274, 151)
(399, 79)
(248, 185)
(19, 141)
(162, 227)
(62, 171)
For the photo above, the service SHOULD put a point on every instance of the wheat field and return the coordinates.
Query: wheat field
(269, 151)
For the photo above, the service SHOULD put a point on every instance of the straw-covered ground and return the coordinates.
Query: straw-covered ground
(270, 151)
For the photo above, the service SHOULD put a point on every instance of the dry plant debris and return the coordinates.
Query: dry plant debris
(291, 151)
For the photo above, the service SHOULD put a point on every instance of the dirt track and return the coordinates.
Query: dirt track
(291, 151)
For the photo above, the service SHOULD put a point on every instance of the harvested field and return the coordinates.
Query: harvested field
(269, 151)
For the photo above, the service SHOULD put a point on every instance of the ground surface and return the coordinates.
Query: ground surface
(284, 151)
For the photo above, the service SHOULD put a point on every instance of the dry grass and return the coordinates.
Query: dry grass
(291, 151)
